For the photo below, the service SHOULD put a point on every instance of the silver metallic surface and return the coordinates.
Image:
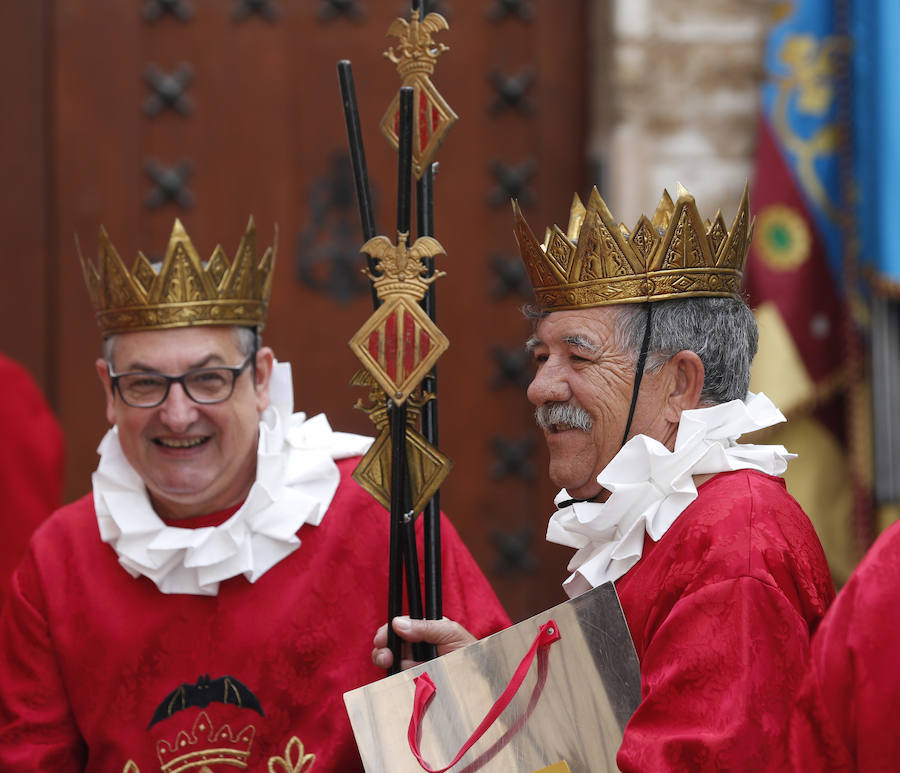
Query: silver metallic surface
(885, 388)
(571, 708)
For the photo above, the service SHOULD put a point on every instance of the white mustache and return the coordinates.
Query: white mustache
(574, 415)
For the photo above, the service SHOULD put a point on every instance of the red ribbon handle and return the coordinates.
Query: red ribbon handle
(425, 690)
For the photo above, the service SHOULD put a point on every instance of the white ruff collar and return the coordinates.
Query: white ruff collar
(650, 486)
(296, 478)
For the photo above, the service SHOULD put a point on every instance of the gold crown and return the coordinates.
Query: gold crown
(184, 291)
(599, 263)
(204, 746)
(417, 51)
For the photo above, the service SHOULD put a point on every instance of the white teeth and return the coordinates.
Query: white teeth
(186, 443)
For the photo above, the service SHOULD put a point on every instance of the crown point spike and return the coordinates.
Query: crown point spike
(85, 262)
(601, 245)
(735, 247)
(681, 192)
(576, 218)
(596, 203)
(88, 269)
(744, 205)
(273, 250)
(663, 213)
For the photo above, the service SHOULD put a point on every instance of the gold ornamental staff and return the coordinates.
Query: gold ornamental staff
(400, 344)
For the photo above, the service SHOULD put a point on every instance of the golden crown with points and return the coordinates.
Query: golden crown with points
(184, 291)
(597, 262)
(205, 745)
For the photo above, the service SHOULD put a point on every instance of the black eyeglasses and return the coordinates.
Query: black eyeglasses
(145, 389)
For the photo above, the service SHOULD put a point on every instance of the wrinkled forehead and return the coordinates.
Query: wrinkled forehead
(174, 349)
(593, 328)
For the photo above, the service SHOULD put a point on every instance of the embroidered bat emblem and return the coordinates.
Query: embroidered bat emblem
(225, 689)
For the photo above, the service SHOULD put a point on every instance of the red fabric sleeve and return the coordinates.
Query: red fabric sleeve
(31, 463)
(716, 681)
(845, 714)
(37, 730)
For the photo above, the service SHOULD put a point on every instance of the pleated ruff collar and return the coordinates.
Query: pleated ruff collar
(651, 486)
(296, 479)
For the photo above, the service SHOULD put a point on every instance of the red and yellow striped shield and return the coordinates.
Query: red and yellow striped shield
(398, 345)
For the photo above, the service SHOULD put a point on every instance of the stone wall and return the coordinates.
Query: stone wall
(674, 99)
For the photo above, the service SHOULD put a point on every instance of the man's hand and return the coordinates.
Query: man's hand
(446, 634)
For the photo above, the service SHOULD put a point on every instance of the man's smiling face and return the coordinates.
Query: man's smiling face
(582, 389)
(194, 459)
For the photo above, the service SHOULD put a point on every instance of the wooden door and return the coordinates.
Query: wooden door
(130, 113)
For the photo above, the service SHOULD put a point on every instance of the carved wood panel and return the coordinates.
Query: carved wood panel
(132, 113)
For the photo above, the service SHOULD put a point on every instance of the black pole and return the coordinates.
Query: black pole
(358, 160)
(404, 218)
(403, 546)
(431, 514)
(434, 604)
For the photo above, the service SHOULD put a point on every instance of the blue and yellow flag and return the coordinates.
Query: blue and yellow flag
(795, 274)
(875, 27)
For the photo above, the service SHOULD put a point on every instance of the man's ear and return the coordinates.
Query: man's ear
(686, 374)
(265, 360)
(103, 374)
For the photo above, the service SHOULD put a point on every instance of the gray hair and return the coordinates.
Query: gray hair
(248, 340)
(721, 331)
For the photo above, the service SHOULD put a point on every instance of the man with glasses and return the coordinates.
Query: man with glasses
(214, 597)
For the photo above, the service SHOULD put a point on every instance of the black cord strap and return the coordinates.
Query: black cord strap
(639, 371)
(638, 375)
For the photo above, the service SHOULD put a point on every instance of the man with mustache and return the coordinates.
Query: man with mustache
(210, 602)
(642, 345)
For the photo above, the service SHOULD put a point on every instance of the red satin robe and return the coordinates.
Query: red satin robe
(720, 610)
(31, 464)
(845, 719)
(94, 660)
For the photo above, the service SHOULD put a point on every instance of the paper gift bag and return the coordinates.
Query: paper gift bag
(579, 685)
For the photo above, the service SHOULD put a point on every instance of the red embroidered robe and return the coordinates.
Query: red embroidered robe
(844, 718)
(102, 672)
(720, 610)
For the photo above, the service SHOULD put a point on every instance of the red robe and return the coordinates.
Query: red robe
(93, 659)
(720, 610)
(844, 719)
(31, 464)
